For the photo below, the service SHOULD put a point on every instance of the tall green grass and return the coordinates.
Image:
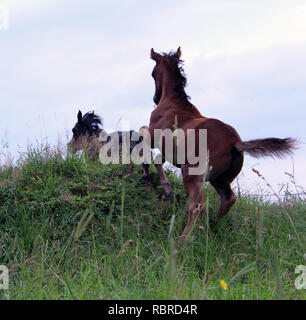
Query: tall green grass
(74, 229)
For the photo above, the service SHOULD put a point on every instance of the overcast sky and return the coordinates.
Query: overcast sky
(244, 60)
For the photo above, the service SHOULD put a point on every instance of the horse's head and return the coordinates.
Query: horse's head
(88, 126)
(168, 72)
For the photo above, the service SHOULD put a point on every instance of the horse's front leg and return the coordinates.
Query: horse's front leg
(197, 206)
(145, 166)
(146, 173)
(162, 176)
(164, 180)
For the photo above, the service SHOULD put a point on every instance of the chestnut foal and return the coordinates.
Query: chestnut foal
(225, 147)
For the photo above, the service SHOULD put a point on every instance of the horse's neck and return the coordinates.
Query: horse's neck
(178, 97)
(195, 111)
(94, 144)
(169, 88)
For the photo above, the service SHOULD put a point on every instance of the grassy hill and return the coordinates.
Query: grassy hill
(72, 229)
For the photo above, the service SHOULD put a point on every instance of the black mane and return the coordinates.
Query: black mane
(181, 80)
(90, 124)
(92, 121)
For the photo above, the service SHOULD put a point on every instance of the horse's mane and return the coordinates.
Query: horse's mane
(92, 121)
(181, 80)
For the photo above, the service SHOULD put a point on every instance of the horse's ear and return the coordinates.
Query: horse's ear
(80, 116)
(155, 56)
(179, 53)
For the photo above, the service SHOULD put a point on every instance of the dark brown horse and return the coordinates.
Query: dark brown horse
(225, 147)
(86, 134)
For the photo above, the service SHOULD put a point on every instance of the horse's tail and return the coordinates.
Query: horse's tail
(273, 147)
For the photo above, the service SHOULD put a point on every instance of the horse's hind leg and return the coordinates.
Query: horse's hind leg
(226, 194)
(197, 207)
(222, 184)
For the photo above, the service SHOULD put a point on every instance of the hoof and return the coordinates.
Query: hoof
(181, 239)
(173, 196)
(167, 196)
(147, 178)
(169, 193)
(219, 218)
